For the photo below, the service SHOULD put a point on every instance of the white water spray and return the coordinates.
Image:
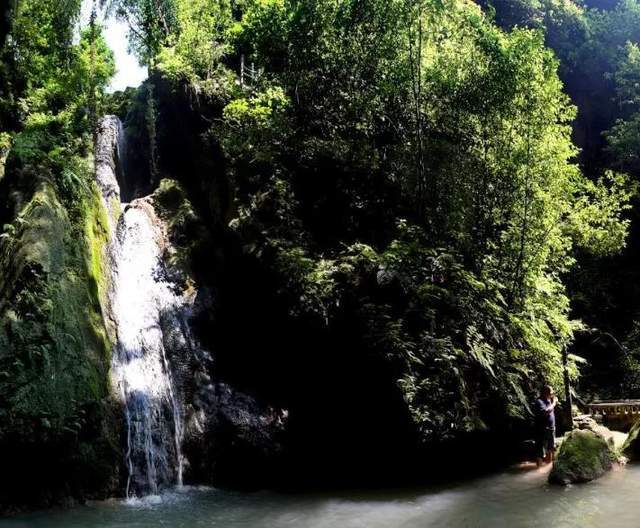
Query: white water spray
(146, 310)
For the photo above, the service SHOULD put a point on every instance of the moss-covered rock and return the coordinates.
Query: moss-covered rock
(583, 456)
(185, 228)
(57, 420)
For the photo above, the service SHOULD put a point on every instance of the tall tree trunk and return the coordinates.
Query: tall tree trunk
(567, 388)
(92, 99)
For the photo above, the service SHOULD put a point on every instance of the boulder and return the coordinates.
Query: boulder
(587, 422)
(584, 455)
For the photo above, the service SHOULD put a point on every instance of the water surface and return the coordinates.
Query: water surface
(511, 499)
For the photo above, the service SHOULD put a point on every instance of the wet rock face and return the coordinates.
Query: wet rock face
(165, 378)
(106, 165)
(228, 435)
(231, 439)
(584, 456)
(59, 433)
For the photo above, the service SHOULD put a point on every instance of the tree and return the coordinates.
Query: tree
(443, 158)
(151, 23)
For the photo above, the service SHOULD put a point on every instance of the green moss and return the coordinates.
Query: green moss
(54, 341)
(631, 446)
(54, 346)
(37, 236)
(173, 205)
(183, 224)
(96, 225)
(583, 456)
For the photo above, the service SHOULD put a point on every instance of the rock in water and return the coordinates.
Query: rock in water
(584, 456)
(586, 422)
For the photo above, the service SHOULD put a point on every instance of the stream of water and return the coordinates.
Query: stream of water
(140, 366)
(510, 500)
(142, 304)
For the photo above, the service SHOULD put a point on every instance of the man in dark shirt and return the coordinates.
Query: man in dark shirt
(546, 425)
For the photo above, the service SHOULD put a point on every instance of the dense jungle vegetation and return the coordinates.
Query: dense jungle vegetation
(410, 213)
(596, 43)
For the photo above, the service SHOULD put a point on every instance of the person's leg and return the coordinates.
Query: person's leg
(550, 445)
(552, 442)
(540, 454)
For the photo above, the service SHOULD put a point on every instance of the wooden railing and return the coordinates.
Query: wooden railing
(615, 407)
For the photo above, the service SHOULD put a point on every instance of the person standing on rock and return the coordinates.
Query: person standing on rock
(546, 425)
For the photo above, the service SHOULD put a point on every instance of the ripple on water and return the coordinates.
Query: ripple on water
(509, 500)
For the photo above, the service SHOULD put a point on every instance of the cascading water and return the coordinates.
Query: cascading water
(160, 373)
(147, 311)
(141, 369)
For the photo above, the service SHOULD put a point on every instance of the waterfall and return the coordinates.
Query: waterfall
(147, 312)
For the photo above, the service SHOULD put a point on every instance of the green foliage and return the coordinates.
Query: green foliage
(599, 65)
(598, 50)
(183, 224)
(56, 84)
(627, 76)
(624, 144)
(364, 117)
(41, 38)
(630, 448)
(199, 44)
(598, 215)
(254, 126)
(404, 166)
